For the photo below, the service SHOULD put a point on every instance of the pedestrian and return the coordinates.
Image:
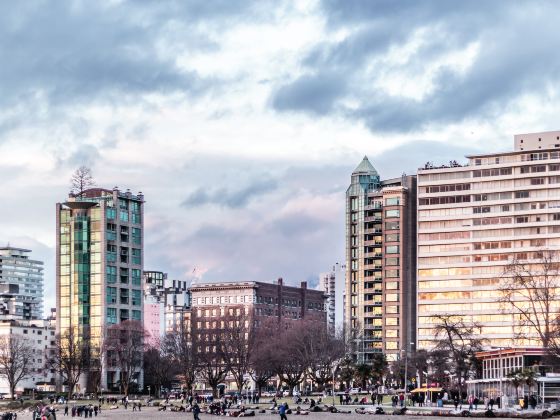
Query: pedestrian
(196, 411)
(491, 403)
(456, 402)
(282, 411)
(401, 399)
(66, 410)
(470, 400)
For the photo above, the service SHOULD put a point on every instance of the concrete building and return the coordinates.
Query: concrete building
(380, 307)
(99, 261)
(21, 284)
(40, 336)
(473, 221)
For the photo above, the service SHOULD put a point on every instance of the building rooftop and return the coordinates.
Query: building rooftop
(365, 167)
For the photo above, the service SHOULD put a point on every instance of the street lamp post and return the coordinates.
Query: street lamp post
(406, 371)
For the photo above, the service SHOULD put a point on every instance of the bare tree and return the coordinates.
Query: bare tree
(70, 358)
(182, 350)
(235, 342)
(531, 290)
(262, 352)
(206, 339)
(81, 180)
(15, 360)
(323, 350)
(159, 366)
(460, 342)
(290, 360)
(124, 346)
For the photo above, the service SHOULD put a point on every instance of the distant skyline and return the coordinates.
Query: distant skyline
(241, 121)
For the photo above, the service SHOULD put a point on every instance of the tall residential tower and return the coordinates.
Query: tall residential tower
(99, 259)
(474, 220)
(380, 304)
(21, 285)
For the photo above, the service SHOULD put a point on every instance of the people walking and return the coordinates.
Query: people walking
(470, 400)
(282, 411)
(196, 411)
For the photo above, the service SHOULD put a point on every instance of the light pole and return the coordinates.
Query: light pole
(335, 367)
(406, 371)
(429, 400)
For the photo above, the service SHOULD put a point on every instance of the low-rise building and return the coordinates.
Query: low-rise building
(40, 336)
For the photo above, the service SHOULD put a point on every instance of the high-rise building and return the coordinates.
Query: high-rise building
(99, 260)
(21, 285)
(329, 287)
(334, 287)
(473, 221)
(380, 307)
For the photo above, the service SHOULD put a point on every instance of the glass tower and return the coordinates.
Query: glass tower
(99, 265)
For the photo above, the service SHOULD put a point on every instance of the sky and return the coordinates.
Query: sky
(241, 121)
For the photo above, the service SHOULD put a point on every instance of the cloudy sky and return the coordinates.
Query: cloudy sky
(241, 121)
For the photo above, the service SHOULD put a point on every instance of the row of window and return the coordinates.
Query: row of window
(135, 275)
(124, 315)
(125, 294)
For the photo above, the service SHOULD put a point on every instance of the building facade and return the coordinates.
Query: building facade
(21, 285)
(262, 300)
(167, 304)
(39, 335)
(380, 308)
(473, 221)
(99, 262)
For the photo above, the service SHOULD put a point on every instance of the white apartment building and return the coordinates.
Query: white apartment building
(40, 336)
(473, 220)
(21, 284)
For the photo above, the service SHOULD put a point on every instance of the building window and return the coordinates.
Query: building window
(111, 274)
(391, 261)
(136, 315)
(111, 213)
(136, 236)
(136, 277)
(392, 201)
(111, 295)
(124, 315)
(111, 315)
(392, 249)
(124, 216)
(392, 237)
(391, 225)
(391, 273)
(136, 297)
(392, 297)
(392, 213)
(124, 275)
(124, 296)
(136, 256)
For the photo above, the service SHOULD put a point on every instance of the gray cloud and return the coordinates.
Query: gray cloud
(230, 198)
(70, 53)
(315, 93)
(509, 64)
